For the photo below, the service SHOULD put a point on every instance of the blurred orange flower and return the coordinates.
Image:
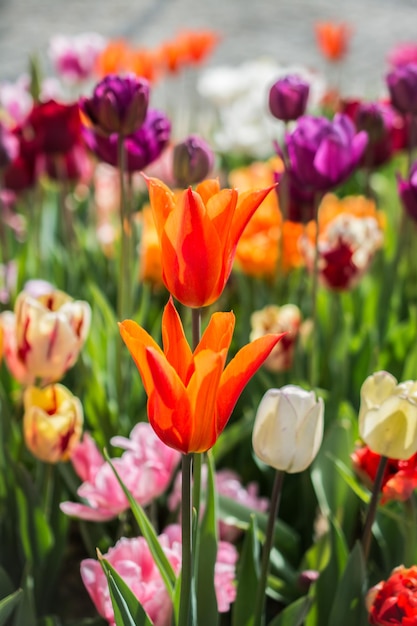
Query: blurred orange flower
(150, 250)
(191, 395)
(258, 248)
(333, 39)
(114, 59)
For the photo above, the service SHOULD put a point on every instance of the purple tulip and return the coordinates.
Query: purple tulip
(192, 161)
(288, 98)
(118, 105)
(142, 147)
(407, 190)
(324, 153)
(378, 119)
(402, 86)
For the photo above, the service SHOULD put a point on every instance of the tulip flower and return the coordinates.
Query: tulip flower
(407, 190)
(191, 395)
(52, 422)
(323, 153)
(388, 416)
(118, 105)
(333, 39)
(132, 559)
(44, 335)
(199, 231)
(142, 147)
(9, 146)
(74, 58)
(402, 86)
(400, 476)
(288, 98)
(192, 161)
(288, 428)
(278, 319)
(392, 602)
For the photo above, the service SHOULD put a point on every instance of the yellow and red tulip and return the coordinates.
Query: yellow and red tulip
(52, 422)
(191, 395)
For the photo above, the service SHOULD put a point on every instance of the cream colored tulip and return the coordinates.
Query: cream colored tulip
(388, 416)
(44, 335)
(288, 428)
(52, 422)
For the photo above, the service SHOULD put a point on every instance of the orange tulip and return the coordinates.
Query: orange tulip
(199, 231)
(333, 39)
(191, 395)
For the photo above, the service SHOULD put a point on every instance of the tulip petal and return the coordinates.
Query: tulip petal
(192, 253)
(162, 201)
(221, 209)
(218, 334)
(202, 391)
(247, 204)
(137, 340)
(176, 348)
(391, 430)
(309, 436)
(208, 188)
(169, 410)
(238, 372)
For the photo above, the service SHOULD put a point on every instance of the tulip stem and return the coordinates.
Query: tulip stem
(124, 269)
(269, 539)
(370, 516)
(314, 288)
(185, 617)
(197, 460)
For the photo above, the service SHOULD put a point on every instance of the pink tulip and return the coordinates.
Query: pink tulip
(132, 559)
(146, 468)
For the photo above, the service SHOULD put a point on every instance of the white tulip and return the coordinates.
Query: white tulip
(288, 428)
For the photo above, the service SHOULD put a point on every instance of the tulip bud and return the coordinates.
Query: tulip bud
(288, 98)
(288, 428)
(118, 105)
(388, 416)
(402, 86)
(52, 422)
(193, 161)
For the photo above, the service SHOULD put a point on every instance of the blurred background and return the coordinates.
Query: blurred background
(280, 29)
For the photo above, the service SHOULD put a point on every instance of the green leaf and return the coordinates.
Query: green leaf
(127, 608)
(8, 604)
(286, 539)
(147, 530)
(348, 606)
(294, 614)
(207, 613)
(248, 577)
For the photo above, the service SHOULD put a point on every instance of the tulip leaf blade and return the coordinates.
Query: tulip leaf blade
(248, 576)
(8, 604)
(294, 614)
(207, 612)
(147, 530)
(349, 606)
(126, 607)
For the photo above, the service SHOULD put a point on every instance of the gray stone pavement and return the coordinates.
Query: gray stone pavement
(282, 29)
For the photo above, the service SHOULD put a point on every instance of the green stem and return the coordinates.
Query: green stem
(269, 539)
(314, 289)
(186, 529)
(370, 517)
(124, 265)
